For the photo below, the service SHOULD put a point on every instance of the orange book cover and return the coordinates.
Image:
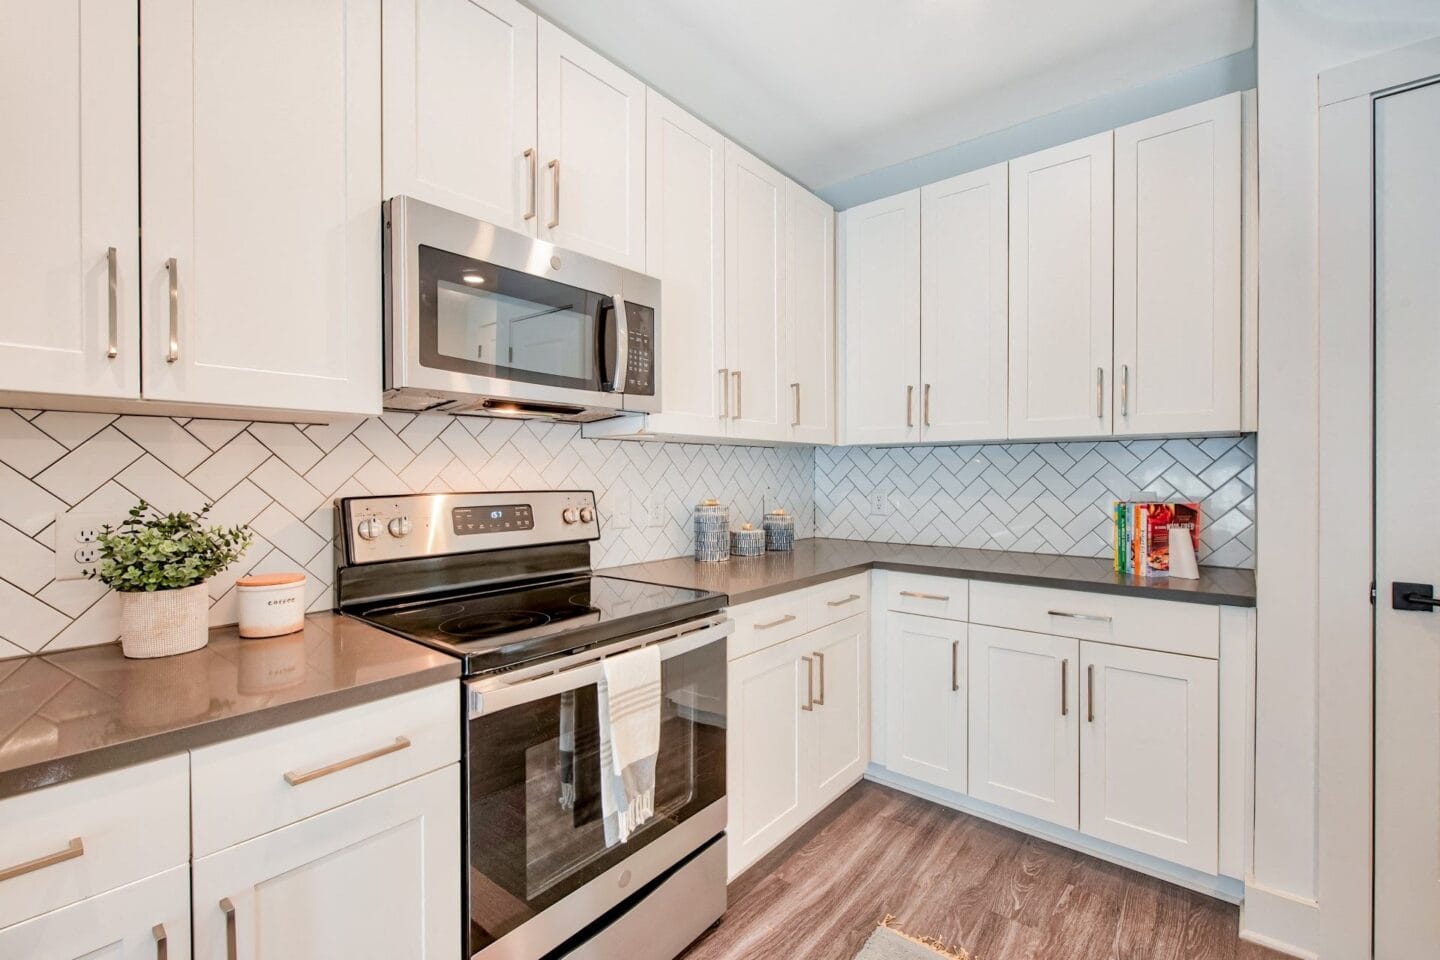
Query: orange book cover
(1160, 517)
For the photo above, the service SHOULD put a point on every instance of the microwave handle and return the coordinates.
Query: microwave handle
(609, 311)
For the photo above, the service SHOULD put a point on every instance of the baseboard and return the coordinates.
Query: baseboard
(1280, 921)
(1229, 889)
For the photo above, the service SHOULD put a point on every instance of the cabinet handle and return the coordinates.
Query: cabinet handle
(809, 684)
(1124, 389)
(788, 618)
(172, 267)
(533, 162)
(295, 778)
(795, 421)
(909, 406)
(1088, 617)
(1065, 688)
(820, 700)
(1090, 693)
(75, 848)
(112, 267)
(1100, 392)
(162, 942)
(954, 666)
(924, 596)
(554, 166)
(232, 946)
(725, 393)
(925, 407)
(735, 374)
(844, 600)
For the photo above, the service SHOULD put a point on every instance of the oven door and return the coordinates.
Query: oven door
(541, 863)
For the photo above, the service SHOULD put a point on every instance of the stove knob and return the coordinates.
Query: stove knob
(587, 515)
(400, 526)
(570, 515)
(368, 529)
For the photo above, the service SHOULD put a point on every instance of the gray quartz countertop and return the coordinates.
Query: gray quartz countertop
(77, 712)
(815, 561)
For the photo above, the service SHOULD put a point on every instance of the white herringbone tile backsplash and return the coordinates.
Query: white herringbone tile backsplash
(1037, 497)
(282, 479)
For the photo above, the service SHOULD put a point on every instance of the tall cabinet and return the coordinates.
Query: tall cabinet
(810, 315)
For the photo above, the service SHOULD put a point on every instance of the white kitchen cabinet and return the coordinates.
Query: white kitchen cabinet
(810, 315)
(70, 245)
(882, 320)
(144, 920)
(592, 151)
(1149, 752)
(755, 297)
(1024, 723)
(260, 261)
(1061, 247)
(1177, 271)
(460, 111)
(840, 718)
(376, 878)
(964, 319)
(926, 691)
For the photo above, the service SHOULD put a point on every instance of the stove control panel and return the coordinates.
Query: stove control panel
(435, 524)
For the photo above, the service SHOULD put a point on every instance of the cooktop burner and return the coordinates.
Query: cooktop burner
(476, 626)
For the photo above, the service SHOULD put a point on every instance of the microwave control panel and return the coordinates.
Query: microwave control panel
(640, 370)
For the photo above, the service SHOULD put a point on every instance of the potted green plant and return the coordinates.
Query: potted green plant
(159, 564)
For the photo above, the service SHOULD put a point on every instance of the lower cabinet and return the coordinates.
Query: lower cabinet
(840, 720)
(376, 878)
(145, 920)
(925, 694)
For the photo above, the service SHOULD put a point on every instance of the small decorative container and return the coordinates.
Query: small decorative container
(271, 604)
(747, 541)
(779, 531)
(162, 623)
(712, 531)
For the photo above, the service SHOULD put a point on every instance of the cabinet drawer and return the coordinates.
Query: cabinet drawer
(243, 788)
(139, 920)
(64, 843)
(943, 597)
(1189, 628)
(767, 622)
(833, 602)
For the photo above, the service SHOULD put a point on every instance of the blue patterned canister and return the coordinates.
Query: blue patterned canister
(712, 531)
(747, 541)
(779, 531)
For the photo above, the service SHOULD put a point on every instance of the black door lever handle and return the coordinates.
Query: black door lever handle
(1413, 596)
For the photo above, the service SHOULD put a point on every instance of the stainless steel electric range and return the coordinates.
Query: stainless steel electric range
(503, 581)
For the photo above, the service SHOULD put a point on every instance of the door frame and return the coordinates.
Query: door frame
(1346, 552)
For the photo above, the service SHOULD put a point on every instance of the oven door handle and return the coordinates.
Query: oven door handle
(485, 696)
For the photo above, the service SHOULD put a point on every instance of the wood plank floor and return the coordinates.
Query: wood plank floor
(1000, 894)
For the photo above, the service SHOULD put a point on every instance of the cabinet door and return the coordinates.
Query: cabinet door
(765, 781)
(925, 668)
(964, 229)
(460, 108)
(840, 720)
(755, 297)
(592, 152)
(1024, 723)
(260, 261)
(1177, 271)
(133, 922)
(685, 225)
(377, 878)
(881, 346)
(810, 315)
(1149, 753)
(1061, 274)
(70, 243)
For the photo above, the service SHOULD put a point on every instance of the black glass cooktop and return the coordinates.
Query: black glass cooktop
(503, 629)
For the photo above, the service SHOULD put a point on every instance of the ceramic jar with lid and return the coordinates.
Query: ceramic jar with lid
(712, 531)
(779, 531)
(271, 604)
(747, 541)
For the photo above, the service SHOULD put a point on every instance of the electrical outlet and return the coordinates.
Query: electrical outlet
(76, 551)
(879, 503)
(659, 516)
(643, 504)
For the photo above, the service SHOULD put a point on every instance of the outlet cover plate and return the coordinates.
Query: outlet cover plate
(76, 550)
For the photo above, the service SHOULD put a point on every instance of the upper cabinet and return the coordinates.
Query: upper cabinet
(1060, 293)
(1177, 271)
(460, 114)
(70, 246)
(810, 314)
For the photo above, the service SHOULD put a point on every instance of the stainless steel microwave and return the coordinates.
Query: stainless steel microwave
(488, 321)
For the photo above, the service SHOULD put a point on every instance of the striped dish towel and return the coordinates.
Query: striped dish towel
(629, 708)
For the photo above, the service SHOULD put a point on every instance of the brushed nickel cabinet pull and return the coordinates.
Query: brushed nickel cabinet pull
(843, 600)
(1124, 389)
(172, 267)
(112, 267)
(924, 596)
(724, 392)
(1065, 688)
(1100, 392)
(909, 406)
(1090, 693)
(795, 421)
(554, 166)
(1088, 617)
(954, 666)
(820, 700)
(75, 848)
(735, 374)
(925, 407)
(162, 942)
(533, 162)
(788, 618)
(295, 778)
(232, 946)
(809, 684)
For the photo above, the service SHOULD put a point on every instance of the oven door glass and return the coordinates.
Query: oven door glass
(485, 320)
(536, 831)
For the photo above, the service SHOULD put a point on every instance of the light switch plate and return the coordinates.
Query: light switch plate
(620, 510)
(77, 551)
(659, 516)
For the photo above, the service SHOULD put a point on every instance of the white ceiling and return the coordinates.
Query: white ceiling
(827, 90)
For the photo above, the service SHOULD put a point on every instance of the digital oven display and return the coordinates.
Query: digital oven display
(500, 519)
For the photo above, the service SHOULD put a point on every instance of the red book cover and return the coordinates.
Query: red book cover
(1159, 519)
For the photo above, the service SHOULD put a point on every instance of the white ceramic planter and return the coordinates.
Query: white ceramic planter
(161, 623)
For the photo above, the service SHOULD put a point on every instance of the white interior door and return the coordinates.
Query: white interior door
(881, 317)
(810, 315)
(926, 689)
(69, 247)
(1177, 271)
(841, 716)
(764, 775)
(592, 151)
(685, 227)
(460, 107)
(964, 307)
(1407, 525)
(1024, 723)
(1061, 277)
